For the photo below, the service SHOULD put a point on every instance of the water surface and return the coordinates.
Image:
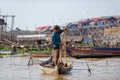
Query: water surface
(15, 68)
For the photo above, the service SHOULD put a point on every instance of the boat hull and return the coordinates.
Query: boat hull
(56, 69)
(95, 52)
(5, 52)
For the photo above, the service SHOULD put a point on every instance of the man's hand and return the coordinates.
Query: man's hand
(65, 29)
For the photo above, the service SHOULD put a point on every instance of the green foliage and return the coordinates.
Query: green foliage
(20, 52)
(1, 56)
(33, 49)
(4, 47)
(37, 50)
(48, 51)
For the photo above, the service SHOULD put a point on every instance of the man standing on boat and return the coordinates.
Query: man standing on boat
(56, 41)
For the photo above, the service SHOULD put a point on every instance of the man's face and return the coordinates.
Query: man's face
(56, 30)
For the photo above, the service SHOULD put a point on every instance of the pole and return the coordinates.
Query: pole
(12, 26)
(65, 32)
(12, 23)
(1, 32)
(2, 28)
(0, 12)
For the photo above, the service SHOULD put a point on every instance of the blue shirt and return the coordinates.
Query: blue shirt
(56, 38)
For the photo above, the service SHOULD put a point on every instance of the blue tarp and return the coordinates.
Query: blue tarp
(5, 51)
(99, 24)
(110, 23)
(105, 48)
(73, 26)
(87, 40)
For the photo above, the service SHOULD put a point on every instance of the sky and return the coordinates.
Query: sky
(32, 13)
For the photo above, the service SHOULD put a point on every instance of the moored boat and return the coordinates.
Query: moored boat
(94, 52)
(5, 52)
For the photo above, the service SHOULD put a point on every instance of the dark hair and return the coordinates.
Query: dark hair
(51, 30)
(56, 27)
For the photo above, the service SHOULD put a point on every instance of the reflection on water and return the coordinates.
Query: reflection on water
(55, 76)
(102, 69)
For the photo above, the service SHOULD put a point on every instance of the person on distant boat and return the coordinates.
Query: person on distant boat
(56, 41)
(13, 50)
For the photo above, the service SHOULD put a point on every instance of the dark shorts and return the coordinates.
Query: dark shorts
(56, 48)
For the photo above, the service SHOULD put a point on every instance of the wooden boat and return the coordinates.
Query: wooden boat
(62, 67)
(94, 52)
(32, 54)
(5, 52)
(57, 69)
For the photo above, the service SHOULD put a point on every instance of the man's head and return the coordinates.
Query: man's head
(56, 28)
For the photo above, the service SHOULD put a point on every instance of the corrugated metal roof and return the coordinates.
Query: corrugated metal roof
(31, 37)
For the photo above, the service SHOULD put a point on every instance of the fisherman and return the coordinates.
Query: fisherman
(56, 41)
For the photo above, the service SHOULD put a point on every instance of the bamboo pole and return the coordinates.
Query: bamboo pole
(65, 32)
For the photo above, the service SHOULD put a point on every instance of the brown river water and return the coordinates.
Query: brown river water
(15, 68)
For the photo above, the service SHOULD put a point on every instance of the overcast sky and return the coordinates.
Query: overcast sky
(32, 13)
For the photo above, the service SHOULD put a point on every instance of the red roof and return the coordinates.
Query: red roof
(94, 19)
(42, 27)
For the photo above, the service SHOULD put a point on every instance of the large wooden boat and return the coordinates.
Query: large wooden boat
(94, 52)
